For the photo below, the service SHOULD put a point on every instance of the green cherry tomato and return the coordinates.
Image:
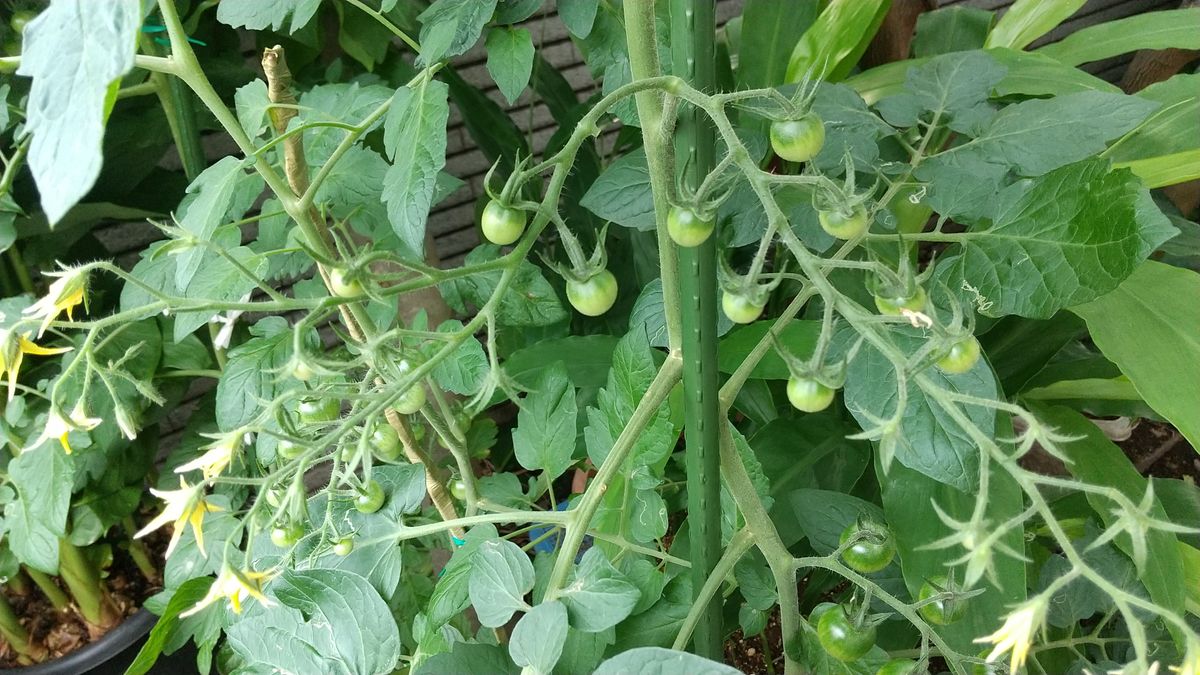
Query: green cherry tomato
(275, 497)
(898, 667)
(593, 296)
(869, 554)
(798, 140)
(842, 225)
(302, 371)
(814, 617)
(502, 225)
(20, 19)
(963, 356)
(687, 228)
(939, 612)
(288, 450)
(894, 305)
(411, 401)
(370, 498)
(840, 638)
(459, 490)
(385, 442)
(343, 547)
(317, 410)
(808, 395)
(343, 285)
(286, 535)
(739, 308)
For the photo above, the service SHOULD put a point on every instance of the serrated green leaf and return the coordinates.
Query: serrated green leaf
(450, 27)
(501, 576)
(464, 370)
(538, 638)
(43, 477)
(530, 300)
(415, 137)
(951, 29)
(622, 193)
(544, 439)
(598, 596)
(75, 52)
(262, 14)
(660, 661)
(510, 60)
(213, 194)
(578, 15)
(952, 88)
(255, 372)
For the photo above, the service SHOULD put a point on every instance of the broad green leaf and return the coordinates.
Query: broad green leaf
(622, 193)
(510, 60)
(648, 314)
(648, 518)
(756, 582)
(1170, 129)
(578, 15)
(1018, 348)
(515, 11)
(184, 598)
(1055, 241)
(538, 638)
(1035, 74)
(658, 625)
(832, 44)
(451, 27)
(850, 127)
(452, 595)
(415, 138)
(908, 499)
(544, 439)
(951, 29)
(362, 37)
(591, 357)
(255, 373)
(468, 657)
(931, 441)
(825, 514)
(466, 368)
(221, 281)
(262, 14)
(952, 88)
(1150, 327)
(530, 300)
(1174, 28)
(76, 53)
(1180, 498)
(660, 661)
(43, 477)
(799, 337)
(1028, 20)
(1096, 460)
(1191, 566)
(598, 597)
(770, 30)
(1081, 599)
(501, 576)
(492, 129)
(1114, 389)
(211, 196)
(322, 621)
(1165, 170)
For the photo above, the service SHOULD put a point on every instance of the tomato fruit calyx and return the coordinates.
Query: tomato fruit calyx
(344, 283)
(689, 226)
(808, 394)
(938, 601)
(960, 357)
(869, 546)
(370, 497)
(843, 636)
(318, 410)
(798, 139)
(593, 295)
(501, 224)
(896, 303)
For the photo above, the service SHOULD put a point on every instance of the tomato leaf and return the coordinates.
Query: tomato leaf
(260, 14)
(538, 638)
(510, 60)
(578, 15)
(544, 439)
(450, 27)
(43, 477)
(415, 139)
(660, 661)
(951, 29)
(501, 576)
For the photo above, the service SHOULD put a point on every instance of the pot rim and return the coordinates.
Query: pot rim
(124, 635)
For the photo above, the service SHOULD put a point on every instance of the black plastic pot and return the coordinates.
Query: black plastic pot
(112, 654)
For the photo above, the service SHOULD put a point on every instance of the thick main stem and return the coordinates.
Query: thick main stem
(81, 577)
(643, 61)
(693, 32)
(15, 634)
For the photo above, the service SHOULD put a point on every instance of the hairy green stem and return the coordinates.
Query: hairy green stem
(82, 578)
(741, 542)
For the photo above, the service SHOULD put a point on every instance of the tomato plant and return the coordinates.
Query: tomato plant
(249, 301)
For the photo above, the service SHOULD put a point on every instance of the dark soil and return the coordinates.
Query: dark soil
(63, 632)
(750, 654)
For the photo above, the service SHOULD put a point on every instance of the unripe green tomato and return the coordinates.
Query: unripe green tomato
(845, 226)
(288, 450)
(895, 305)
(739, 308)
(286, 536)
(593, 296)
(411, 401)
(343, 546)
(301, 371)
(798, 140)
(939, 612)
(687, 228)
(841, 639)
(808, 395)
(275, 497)
(817, 612)
(318, 410)
(898, 667)
(343, 285)
(370, 498)
(963, 356)
(459, 489)
(868, 555)
(385, 442)
(20, 19)
(500, 224)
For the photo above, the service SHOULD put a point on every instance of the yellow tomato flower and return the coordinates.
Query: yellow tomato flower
(13, 349)
(236, 585)
(185, 506)
(1017, 633)
(217, 459)
(66, 293)
(59, 427)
